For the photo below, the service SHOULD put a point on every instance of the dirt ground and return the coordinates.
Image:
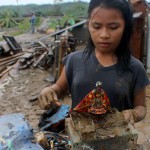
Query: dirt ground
(17, 94)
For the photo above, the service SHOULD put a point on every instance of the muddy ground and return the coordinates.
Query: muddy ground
(18, 92)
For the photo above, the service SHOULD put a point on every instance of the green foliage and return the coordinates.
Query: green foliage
(24, 25)
(8, 21)
(77, 9)
(37, 21)
(58, 21)
(11, 11)
(73, 8)
(53, 23)
(56, 10)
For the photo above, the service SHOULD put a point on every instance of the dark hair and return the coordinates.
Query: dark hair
(123, 50)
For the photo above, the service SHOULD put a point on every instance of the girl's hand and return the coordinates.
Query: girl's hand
(48, 98)
(129, 116)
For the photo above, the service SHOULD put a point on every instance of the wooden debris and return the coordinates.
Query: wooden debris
(8, 61)
(10, 57)
(2, 68)
(9, 68)
(39, 59)
(41, 139)
(100, 132)
(38, 55)
(43, 45)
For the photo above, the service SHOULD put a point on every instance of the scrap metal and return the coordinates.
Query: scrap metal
(52, 140)
(53, 119)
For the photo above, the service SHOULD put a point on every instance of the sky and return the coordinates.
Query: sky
(24, 2)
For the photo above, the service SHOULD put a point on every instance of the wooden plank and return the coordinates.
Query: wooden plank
(2, 68)
(10, 57)
(39, 59)
(27, 55)
(9, 68)
(42, 44)
(8, 61)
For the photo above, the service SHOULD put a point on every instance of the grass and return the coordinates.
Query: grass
(23, 27)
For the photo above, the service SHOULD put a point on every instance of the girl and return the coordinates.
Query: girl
(107, 59)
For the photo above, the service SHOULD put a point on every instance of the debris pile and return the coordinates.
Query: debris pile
(52, 127)
(53, 119)
(38, 55)
(52, 140)
(110, 132)
(10, 52)
(12, 55)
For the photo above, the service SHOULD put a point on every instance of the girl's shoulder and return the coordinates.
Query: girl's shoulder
(136, 65)
(136, 62)
(73, 57)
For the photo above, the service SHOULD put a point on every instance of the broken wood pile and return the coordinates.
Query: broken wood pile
(7, 63)
(10, 52)
(39, 55)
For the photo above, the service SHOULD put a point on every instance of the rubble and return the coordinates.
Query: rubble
(25, 58)
(53, 119)
(109, 131)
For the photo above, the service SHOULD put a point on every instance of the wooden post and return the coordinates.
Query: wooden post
(62, 50)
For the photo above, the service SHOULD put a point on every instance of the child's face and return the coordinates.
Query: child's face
(106, 27)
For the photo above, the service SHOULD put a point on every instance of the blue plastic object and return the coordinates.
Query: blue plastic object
(16, 133)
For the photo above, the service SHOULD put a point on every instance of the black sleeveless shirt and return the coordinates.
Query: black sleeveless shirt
(120, 88)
